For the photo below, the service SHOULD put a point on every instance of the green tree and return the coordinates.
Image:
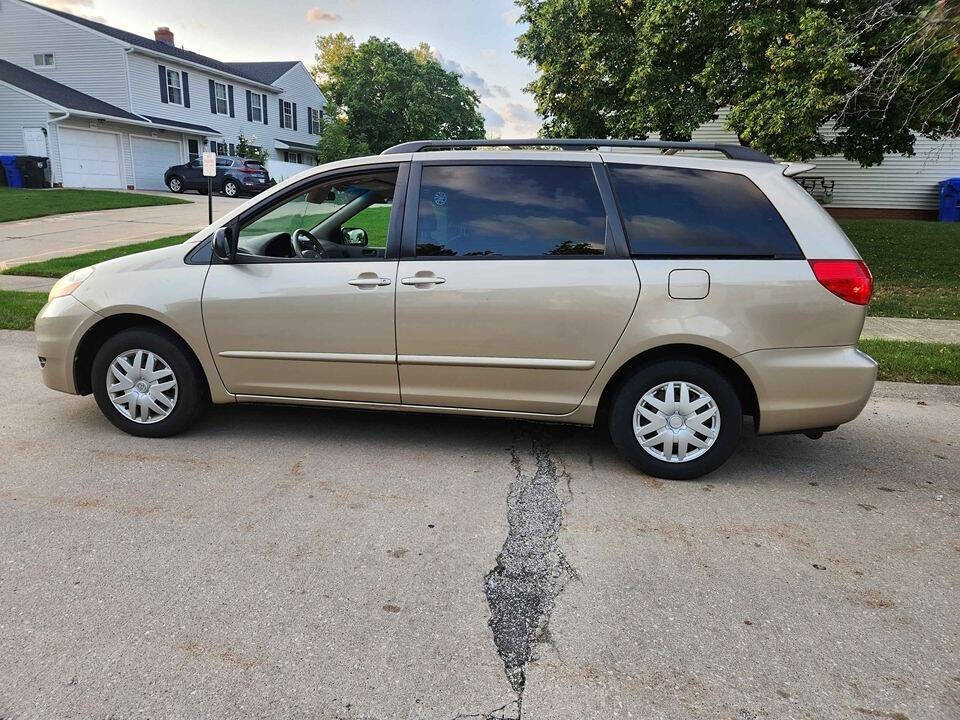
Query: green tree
(875, 73)
(381, 94)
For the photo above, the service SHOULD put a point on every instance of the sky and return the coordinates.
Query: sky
(473, 37)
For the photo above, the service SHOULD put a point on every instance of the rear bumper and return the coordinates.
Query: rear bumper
(59, 328)
(805, 388)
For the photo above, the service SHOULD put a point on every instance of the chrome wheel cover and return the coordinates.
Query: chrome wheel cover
(226, 189)
(141, 386)
(676, 421)
(175, 184)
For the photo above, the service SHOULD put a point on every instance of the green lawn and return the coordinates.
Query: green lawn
(18, 309)
(58, 267)
(20, 204)
(374, 220)
(915, 362)
(915, 266)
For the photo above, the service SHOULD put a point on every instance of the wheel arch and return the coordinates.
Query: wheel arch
(98, 333)
(717, 360)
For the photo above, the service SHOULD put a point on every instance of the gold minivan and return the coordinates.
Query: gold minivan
(576, 281)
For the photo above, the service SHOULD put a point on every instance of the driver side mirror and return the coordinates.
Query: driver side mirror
(354, 236)
(223, 246)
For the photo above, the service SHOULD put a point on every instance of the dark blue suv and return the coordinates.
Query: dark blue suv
(235, 176)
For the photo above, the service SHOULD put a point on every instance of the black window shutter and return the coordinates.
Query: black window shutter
(294, 113)
(263, 104)
(186, 89)
(213, 98)
(281, 112)
(309, 120)
(163, 84)
(230, 98)
(249, 106)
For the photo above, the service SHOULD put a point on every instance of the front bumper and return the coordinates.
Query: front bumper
(807, 388)
(59, 327)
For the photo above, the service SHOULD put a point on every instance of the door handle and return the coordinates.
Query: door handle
(368, 281)
(423, 280)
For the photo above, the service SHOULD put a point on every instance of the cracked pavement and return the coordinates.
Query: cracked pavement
(298, 563)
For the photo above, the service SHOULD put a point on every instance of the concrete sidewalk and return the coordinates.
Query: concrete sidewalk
(911, 329)
(42, 238)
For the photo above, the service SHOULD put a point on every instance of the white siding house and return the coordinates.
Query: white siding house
(114, 109)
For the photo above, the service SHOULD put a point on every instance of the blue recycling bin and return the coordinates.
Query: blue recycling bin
(950, 200)
(14, 178)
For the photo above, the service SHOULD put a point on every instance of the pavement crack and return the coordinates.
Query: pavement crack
(531, 570)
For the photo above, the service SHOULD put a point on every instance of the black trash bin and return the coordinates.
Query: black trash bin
(33, 170)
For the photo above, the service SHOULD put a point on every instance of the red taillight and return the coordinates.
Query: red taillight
(847, 279)
(249, 170)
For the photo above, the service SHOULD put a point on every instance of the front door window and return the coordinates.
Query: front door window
(342, 218)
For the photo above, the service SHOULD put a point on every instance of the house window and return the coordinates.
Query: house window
(287, 114)
(293, 157)
(220, 93)
(256, 107)
(43, 60)
(314, 121)
(233, 149)
(174, 89)
(222, 148)
(193, 149)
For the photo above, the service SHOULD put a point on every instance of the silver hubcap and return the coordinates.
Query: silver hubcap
(230, 189)
(676, 421)
(142, 386)
(175, 185)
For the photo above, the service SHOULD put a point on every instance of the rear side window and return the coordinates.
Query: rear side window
(476, 211)
(685, 212)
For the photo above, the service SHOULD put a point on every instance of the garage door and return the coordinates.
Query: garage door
(90, 159)
(151, 158)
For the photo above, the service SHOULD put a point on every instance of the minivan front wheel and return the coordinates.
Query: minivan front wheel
(147, 384)
(676, 419)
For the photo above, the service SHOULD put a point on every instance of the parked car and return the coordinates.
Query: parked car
(235, 176)
(666, 296)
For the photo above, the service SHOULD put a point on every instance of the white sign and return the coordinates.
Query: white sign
(209, 164)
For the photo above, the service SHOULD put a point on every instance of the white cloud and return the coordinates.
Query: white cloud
(74, 7)
(519, 121)
(493, 122)
(511, 16)
(471, 78)
(319, 15)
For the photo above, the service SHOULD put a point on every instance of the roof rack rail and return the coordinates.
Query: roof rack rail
(734, 152)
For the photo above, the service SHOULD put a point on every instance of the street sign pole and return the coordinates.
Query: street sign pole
(209, 171)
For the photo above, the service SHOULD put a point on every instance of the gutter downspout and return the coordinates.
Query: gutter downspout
(55, 171)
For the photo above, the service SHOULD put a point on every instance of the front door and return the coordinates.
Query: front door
(512, 291)
(307, 311)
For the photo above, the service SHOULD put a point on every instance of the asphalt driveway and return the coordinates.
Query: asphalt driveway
(56, 235)
(299, 563)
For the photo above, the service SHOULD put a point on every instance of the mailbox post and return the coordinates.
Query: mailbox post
(209, 172)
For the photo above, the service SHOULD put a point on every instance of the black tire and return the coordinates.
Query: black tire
(175, 183)
(192, 396)
(691, 371)
(235, 191)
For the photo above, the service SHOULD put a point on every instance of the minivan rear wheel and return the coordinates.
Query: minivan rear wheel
(147, 384)
(676, 419)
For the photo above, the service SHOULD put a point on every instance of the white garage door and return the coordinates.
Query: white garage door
(90, 159)
(151, 158)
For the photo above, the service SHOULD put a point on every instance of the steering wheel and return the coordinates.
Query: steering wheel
(301, 235)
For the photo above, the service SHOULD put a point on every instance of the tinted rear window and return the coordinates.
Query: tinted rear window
(510, 211)
(253, 164)
(686, 212)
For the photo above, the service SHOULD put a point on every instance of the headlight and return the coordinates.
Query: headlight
(69, 282)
